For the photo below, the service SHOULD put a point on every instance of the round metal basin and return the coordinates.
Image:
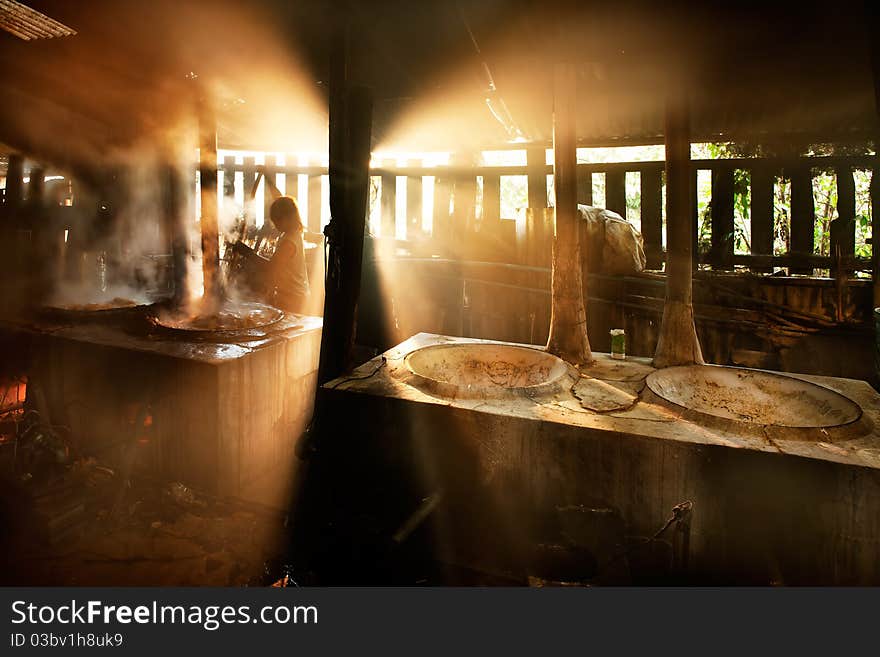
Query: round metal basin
(753, 397)
(487, 371)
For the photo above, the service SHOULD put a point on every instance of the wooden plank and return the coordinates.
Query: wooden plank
(537, 174)
(414, 204)
(229, 177)
(388, 204)
(803, 214)
(762, 181)
(585, 185)
(615, 191)
(652, 217)
(722, 218)
(440, 231)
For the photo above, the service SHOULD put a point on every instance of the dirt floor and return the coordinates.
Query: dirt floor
(87, 527)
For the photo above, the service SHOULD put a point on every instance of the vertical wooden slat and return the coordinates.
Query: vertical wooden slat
(314, 200)
(229, 176)
(440, 232)
(585, 185)
(388, 202)
(762, 180)
(803, 215)
(722, 217)
(491, 199)
(536, 160)
(269, 170)
(843, 229)
(413, 203)
(249, 175)
(615, 191)
(652, 216)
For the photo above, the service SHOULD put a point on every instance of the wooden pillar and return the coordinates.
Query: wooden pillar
(843, 229)
(208, 182)
(652, 216)
(314, 200)
(176, 229)
(536, 160)
(803, 215)
(678, 343)
(350, 133)
(442, 194)
(491, 200)
(14, 181)
(568, 318)
(37, 187)
(721, 255)
(389, 201)
(762, 179)
(413, 203)
(615, 191)
(249, 177)
(585, 185)
(875, 229)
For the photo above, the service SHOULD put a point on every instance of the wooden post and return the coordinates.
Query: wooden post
(491, 201)
(389, 202)
(413, 203)
(652, 216)
(568, 317)
(585, 185)
(678, 343)
(536, 160)
(875, 229)
(762, 179)
(175, 229)
(843, 229)
(314, 201)
(208, 183)
(803, 215)
(440, 232)
(14, 181)
(615, 191)
(722, 217)
(350, 132)
(269, 170)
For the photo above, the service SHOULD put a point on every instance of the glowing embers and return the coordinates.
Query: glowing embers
(753, 397)
(487, 371)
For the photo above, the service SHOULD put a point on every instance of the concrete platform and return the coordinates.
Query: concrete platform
(787, 507)
(223, 417)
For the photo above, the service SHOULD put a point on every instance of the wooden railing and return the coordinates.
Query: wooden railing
(468, 233)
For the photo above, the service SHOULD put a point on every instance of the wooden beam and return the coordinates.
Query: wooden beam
(315, 201)
(722, 218)
(762, 180)
(652, 217)
(803, 214)
(568, 318)
(678, 343)
(491, 200)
